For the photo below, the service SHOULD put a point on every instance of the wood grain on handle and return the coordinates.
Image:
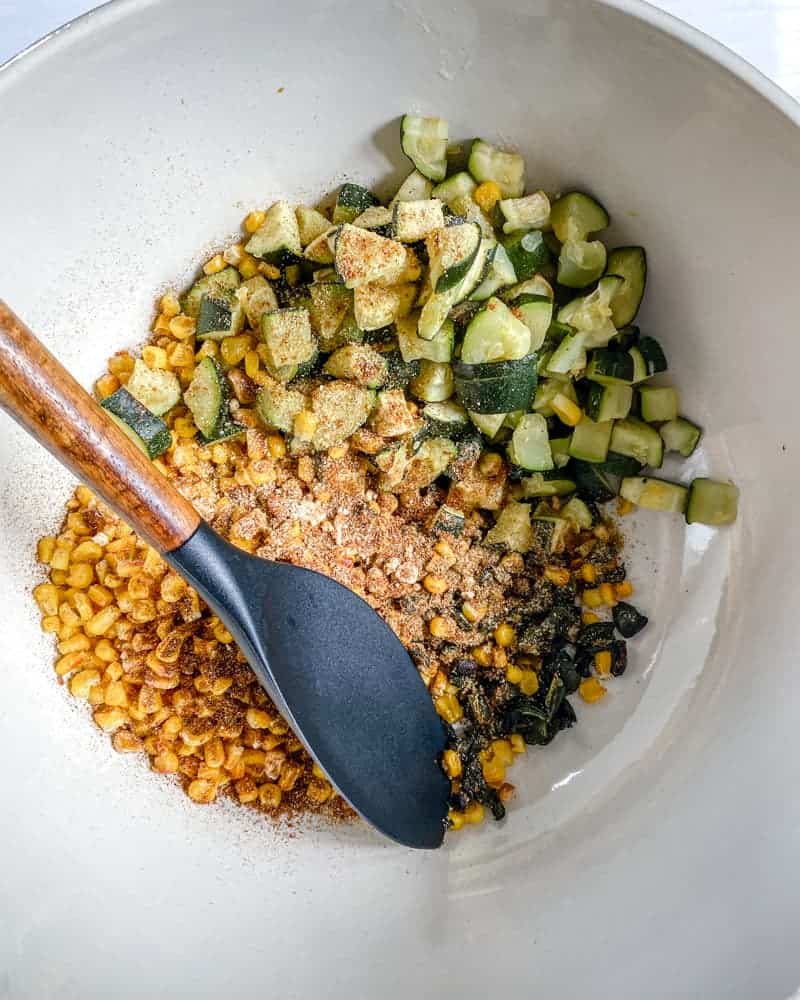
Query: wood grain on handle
(45, 399)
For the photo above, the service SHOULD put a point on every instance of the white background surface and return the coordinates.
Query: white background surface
(766, 33)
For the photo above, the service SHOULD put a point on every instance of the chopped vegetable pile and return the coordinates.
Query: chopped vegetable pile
(465, 360)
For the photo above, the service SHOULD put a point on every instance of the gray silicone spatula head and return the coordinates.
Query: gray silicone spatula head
(344, 680)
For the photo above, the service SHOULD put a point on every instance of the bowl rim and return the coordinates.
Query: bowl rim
(642, 10)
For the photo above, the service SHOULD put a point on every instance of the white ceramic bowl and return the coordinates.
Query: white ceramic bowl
(653, 849)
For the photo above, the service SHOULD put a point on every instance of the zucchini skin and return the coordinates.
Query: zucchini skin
(150, 430)
(496, 387)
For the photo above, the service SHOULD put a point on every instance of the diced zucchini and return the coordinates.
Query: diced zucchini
(310, 224)
(559, 448)
(227, 280)
(609, 367)
(446, 419)
(547, 484)
(712, 502)
(580, 263)
(627, 337)
(414, 220)
(424, 141)
(529, 447)
(330, 306)
(357, 363)
(536, 312)
(429, 462)
(537, 285)
(458, 186)
(377, 218)
(609, 402)
(414, 188)
(569, 356)
(377, 306)
(658, 403)
(522, 214)
(575, 215)
(639, 366)
(513, 528)
(487, 423)
(464, 209)
(319, 250)
(257, 297)
(630, 263)
(351, 201)
(451, 253)
(648, 357)
(147, 431)
(546, 391)
(638, 440)
(277, 240)
(340, 408)
(447, 521)
(221, 316)
(363, 257)
(391, 416)
(156, 389)
(680, 435)
(207, 397)
(501, 274)
(495, 334)
(593, 481)
(288, 341)
(654, 494)
(527, 252)
(392, 463)
(590, 440)
(507, 170)
(621, 465)
(577, 513)
(433, 383)
(278, 406)
(400, 372)
(591, 314)
(414, 348)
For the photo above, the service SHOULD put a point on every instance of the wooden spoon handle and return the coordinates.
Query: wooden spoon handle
(47, 401)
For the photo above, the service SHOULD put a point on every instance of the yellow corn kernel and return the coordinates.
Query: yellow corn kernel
(184, 427)
(87, 552)
(451, 762)
(513, 674)
(592, 598)
(608, 594)
(269, 271)
(517, 743)
(455, 819)
(166, 762)
(305, 424)
(233, 349)
(276, 446)
(105, 385)
(221, 634)
(319, 791)
(169, 304)
(624, 507)
(172, 726)
(487, 195)
(253, 221)
(201, 790)
(75, 644)
(214, 753)
(502, 752)
(439, 627)
(120, 364)
(182, 327)
(161, 324)
(566, 410)
(58, 577)
(270, 795)
(505, 635)
(51, 623)
(602, 662)
(490, 464)
(448, 708)
(100, 623)
(257, 718)
(624, 589)
(589, 618)
(80, 576)
(115, 694)
(48, 598)
(317, 771)
(104, 651)
(474, 813)
(601, 533)
(113, 672)
(82, 605)
(155, 357)
(444, 549)
(109, 719)
(557, 575)
(215, 265)
(233, 254)
(181, 355)
(45, 548)
(61, 554)
(435, 584)
(493, 771)
(81, 684)
(530, 682)
(473, 612)
(249, 266)
(252, 362)
(588, 573)
(591, 690)
(483, 654)
(70, 662)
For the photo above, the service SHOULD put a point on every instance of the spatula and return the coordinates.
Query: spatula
(338, 673)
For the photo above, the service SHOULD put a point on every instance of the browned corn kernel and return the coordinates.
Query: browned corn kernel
(74, 644)
(124, 741)
(201, 791)
(106, 385)
(505, 792)
(270, 795)
(483, 654)
(182, 327)
(81, 684)
(505, 635)
(440, 628)
(490, 464)
(319, 792)
(602, 662)
(449, 708)
(246, 790)
(435, 584)
(258, 719)
(624, 589)
(487, 195)
(557, 575)
(473, 612)
(451, 762)
(109, 719)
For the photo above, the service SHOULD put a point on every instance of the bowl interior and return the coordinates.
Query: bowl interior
(646, 842)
